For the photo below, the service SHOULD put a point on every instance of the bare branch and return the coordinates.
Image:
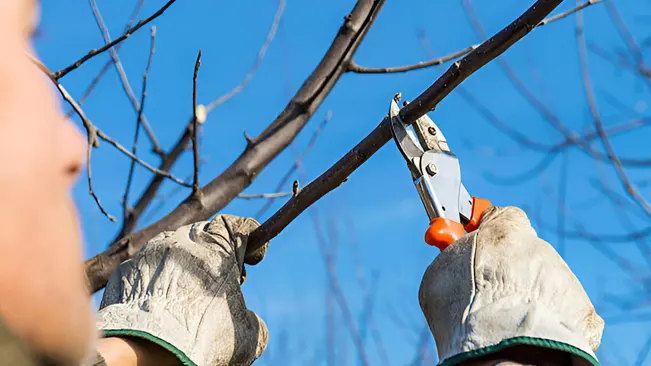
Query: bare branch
(180, 146)
(264, 148)
(424, 64)
(108, 63)
(89, 150)
(552, 118)
(261, 53)
(124, 79)
(296, 165)
(125, 200)
(425, 102)
(354, 67)
(94, 52)
(95, 132)
(592, 103)
(196, 191)
(264, 195)
(628, 38)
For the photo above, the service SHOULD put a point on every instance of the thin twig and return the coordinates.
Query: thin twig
(196, 191)
(258, 61)
(94, 52)
(299, 160)
(124, 79)
(424, 64)
(143, 95)
(563, 182)
(628, 38)
(89, 150)
(264, 195)
(108, 63)
(95, 132)
(546, 112)
(592, 103)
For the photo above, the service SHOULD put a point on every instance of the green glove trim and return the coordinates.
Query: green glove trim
(144, 335)
(530, 341)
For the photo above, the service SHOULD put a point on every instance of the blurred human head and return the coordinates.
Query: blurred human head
(43, 297)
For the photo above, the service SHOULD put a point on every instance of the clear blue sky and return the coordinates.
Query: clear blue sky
(377, 213)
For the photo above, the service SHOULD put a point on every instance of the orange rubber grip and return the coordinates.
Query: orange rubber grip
(479, 206)
(443, 232)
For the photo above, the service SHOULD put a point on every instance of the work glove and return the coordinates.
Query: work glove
(502, 286)
(182, 292)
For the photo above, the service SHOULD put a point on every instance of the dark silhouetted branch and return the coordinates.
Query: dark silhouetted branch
(181, 144)
(424, 103)
(263, 149)
(438, 61)
(196, 191)
(92, 53)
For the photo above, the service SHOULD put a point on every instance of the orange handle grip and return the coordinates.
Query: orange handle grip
(442, 232)
(479, 206)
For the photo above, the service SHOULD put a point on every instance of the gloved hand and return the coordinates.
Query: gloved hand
(501, 286)
(182, 292)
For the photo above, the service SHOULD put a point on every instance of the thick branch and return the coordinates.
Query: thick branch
(425, 102)
(181, 144)
(274, 139)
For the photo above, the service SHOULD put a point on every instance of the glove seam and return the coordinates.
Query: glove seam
(473, 282)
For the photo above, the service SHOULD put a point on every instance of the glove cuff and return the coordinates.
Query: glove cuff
(124, 320)
(509, 322)
(579, 357)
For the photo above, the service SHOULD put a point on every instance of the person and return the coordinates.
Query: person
(498, 296)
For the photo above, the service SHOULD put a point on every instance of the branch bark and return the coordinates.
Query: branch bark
(181, 144)
(258, 154)
(424, 103)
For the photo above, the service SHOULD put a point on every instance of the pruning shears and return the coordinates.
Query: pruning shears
(436, 173)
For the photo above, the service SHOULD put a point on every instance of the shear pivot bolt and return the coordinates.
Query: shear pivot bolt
(432, 169)
(431, 130)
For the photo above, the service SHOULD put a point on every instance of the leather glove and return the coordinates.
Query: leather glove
(182, 292)
(501, 286)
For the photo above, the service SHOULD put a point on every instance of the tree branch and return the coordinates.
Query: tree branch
(261, 53)
(124, 79)
(425, 102)
(264, 148)
(108, 63)
(141, 107)
(424, 64)
(592, 103)
(196, 192)
(94, 52)
(180, 146)
(93, 131)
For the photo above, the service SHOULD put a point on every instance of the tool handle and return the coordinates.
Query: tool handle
(479, 206)
(443, 231)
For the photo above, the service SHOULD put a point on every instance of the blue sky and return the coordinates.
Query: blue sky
(378, 217)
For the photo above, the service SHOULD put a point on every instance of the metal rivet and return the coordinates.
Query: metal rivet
(432, 169)
(431, 130)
